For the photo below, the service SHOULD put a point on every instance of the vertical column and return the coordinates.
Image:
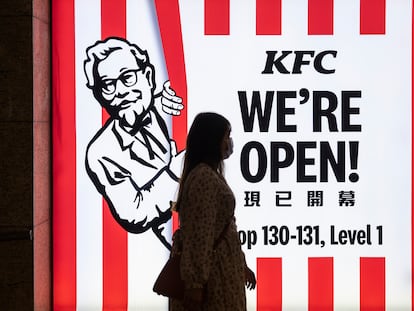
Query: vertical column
(115, 238)
(269, 284)
(320, 17)
(372, 17)
(216, 17)
(41, 156)
(320, 282)
(372, 284)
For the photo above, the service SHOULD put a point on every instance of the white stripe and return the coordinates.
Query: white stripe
(243, 19)
(294, 282)
(89, 201)
(294, 19)
(142, 29)
(346, 283)
(346, 19)
(398, 282)
(146, 254)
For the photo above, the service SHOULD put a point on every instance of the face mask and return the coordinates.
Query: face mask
(229, 149)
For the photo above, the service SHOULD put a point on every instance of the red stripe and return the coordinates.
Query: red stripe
(372, 284)
(115, 238)
(269, 284)
(268, 17)
(372, 17)
(113, 15)
(320, 17)
(64, 157)
(175, 221)
(216, 17)
(320, 283)
(169, 22)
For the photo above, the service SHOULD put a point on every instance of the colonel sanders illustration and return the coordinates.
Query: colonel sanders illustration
(132, 156)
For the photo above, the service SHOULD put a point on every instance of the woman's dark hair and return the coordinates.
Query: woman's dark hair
(204, 145)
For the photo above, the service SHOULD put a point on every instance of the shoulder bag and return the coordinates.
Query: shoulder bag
(169, 282)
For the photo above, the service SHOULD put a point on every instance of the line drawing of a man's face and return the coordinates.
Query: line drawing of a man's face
(123, 82)
(125, 88)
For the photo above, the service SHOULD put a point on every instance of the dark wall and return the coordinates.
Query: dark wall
(16, 155)
(42, 156)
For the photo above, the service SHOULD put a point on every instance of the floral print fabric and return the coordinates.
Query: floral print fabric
(206, 208)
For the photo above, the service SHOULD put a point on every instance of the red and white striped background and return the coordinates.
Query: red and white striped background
(100, 278)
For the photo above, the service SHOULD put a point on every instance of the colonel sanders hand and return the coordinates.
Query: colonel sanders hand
(171, 103)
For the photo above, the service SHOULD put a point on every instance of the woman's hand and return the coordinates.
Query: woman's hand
(250, 278)
(193, 299)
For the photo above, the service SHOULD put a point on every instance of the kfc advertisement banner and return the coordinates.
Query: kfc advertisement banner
(319, 95)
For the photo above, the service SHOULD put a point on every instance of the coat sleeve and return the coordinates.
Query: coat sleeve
(198, 219)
